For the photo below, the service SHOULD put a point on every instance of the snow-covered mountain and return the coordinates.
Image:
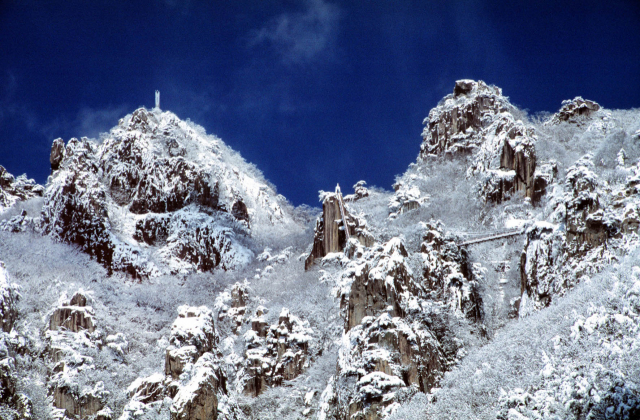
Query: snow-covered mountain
(158, 195)
(159, 276)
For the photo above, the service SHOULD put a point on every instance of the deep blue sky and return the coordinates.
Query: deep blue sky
(313, 92)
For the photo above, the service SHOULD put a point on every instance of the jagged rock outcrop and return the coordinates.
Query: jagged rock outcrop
(573, 242)
(73, 343)
(192, 335)
(232, 305)
(448, 274)
(158, 187)
(335, 227)
(379, 285)
(455, 126)
(396, 341)
(275, 353)
(14, 189)
(194, 377)
(575, 111)
(478, 121)
(57, 154)
(74, 315)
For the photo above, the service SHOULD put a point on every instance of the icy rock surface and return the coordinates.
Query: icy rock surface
(588, 226)
(332, 229)
(194, 383)
(14, 189)
(73, 343)
(157, 196)
(396, 340)
(275, 353)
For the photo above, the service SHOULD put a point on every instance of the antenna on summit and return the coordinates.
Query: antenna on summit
(157, 99)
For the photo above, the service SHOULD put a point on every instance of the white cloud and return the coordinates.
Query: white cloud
(92, 122)
(88, 122)
(304, 36)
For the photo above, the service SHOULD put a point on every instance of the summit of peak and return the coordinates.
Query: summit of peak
(159, 185)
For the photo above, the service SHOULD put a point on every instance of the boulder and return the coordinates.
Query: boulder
(73, 316)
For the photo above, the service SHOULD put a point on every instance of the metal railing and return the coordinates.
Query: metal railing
(493, 236)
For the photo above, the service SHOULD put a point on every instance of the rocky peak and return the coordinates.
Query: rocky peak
(275, 353)
(454, 125)
(575, 111)
(477, 121)
(158, 186)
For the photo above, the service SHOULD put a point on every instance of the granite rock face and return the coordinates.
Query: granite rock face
(477, 121)
(158, 188)
(585, 231)
(335, 227)
(456, 125)
(396, 339)
(275, 353)
(72, 344)
(73, 316)
(194, 379)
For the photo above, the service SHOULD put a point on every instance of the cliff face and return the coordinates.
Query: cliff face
(397, 336)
